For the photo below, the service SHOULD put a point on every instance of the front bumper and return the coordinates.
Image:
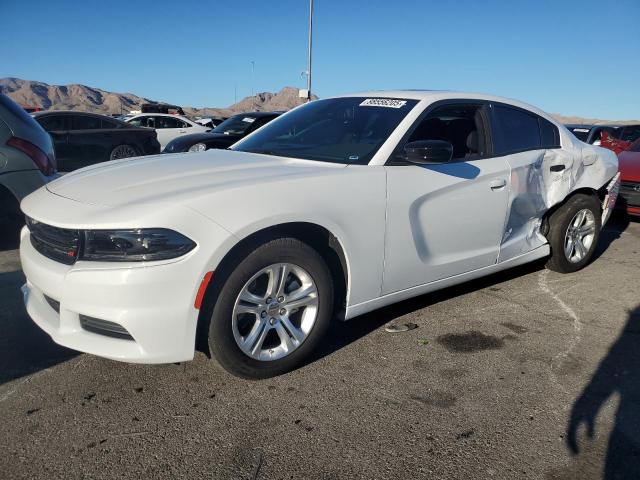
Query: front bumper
(154, 303)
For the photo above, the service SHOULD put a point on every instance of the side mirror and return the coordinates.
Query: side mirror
(425, 152)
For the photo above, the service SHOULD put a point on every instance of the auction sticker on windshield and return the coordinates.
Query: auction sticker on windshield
(383, 102)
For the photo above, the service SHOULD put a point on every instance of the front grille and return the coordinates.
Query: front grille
(59, 244)
(104, 327)
(630, 192)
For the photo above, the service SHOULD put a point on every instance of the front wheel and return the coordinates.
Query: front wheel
(272, 311)
(574, 230)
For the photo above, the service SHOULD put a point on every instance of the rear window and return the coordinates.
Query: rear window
(549, 134)
(514, 130)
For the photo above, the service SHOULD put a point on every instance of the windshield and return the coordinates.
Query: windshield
(338, 130)
(236, 125)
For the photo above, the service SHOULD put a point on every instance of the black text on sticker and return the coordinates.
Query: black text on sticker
(383, 102)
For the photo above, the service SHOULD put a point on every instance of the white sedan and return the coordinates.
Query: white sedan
(337, 208)
(167, 126)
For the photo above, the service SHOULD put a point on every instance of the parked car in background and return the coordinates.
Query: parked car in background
(629, 161)
(224, 135)
(82, 139)
(167, 126)
(209, 122)
(591, 134)
(27, 157)
(338, 207)
(616, 145)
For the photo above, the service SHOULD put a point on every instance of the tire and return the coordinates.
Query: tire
(230, 333)
(123, 151)
(566, 229)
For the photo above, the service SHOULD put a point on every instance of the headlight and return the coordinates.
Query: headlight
(145, 244)
(198, 147)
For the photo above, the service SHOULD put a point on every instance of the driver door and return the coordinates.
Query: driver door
(445, 219)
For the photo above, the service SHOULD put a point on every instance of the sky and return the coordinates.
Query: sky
(564, 56)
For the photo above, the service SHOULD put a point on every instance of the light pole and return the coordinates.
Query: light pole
(253, 77)
(309, 51)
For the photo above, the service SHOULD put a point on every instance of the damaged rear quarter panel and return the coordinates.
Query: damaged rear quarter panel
(535, 187)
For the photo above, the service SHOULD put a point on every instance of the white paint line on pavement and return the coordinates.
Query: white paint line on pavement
(559, 359)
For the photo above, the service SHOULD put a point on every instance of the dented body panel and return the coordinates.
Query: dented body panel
(542, 179)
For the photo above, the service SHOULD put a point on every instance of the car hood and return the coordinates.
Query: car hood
(179, 178)
(629, 166)
(183, 142)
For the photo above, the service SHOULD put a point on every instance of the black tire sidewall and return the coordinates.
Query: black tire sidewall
(221, 341)
(559, 223)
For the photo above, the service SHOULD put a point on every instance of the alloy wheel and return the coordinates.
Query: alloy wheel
(579, 236)
(123, 151)
(275, 311)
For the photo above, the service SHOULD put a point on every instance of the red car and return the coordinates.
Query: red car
(612, 143)
(629, 161)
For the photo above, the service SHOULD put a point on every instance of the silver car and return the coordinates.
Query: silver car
(27, 157)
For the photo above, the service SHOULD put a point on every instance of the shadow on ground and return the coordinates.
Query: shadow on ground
(618, 373)
(24, 348)
(10, 235)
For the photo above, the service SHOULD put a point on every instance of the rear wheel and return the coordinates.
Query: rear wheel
(123, 151)
(574, 230)
(272, 310)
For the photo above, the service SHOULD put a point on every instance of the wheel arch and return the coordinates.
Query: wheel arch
(320, 238)
(598, 193)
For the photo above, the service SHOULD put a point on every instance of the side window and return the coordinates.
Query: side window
(630, 133)
(258, 123)
(514, 130)
(183, 124)
(109, 124)
(84, 122)
(168, 122)
(460, 125)
(549, 134)
(52, 123)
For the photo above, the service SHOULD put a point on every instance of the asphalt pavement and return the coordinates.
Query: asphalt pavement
(501, 379)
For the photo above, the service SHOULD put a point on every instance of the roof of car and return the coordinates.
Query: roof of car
(69, 112)
(436, 95)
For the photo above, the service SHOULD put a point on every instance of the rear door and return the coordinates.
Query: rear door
(169, 128)
(446, 219)
(88, 143)
(530, 145)
(58, 127)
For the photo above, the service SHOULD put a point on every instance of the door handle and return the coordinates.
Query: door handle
(183, 131)
(498, 184)
(557, 168)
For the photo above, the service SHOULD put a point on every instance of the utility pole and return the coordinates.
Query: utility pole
(309, 51)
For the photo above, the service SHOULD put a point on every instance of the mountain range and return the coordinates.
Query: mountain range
(30, 93)
(88, 99)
